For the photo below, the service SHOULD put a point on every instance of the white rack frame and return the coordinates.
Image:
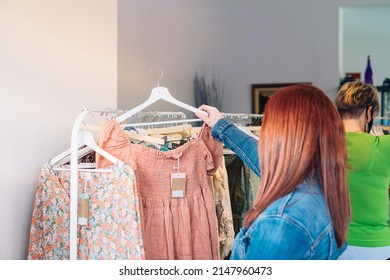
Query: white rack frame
(74, 178)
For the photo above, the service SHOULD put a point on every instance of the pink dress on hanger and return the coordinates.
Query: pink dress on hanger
(172, 228)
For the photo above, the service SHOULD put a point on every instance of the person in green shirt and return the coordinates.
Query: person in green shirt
(368, 173)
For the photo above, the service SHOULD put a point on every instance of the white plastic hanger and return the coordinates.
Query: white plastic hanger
(85, 138)
(157, 94)
(162, 122)
(64, 157)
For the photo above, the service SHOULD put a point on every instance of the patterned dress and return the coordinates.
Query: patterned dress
(113, 230)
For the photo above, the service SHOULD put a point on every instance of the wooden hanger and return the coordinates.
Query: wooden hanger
(169, 130)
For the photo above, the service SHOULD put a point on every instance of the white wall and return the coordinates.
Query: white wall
(57, 57)
(366, 31)
(246, 41)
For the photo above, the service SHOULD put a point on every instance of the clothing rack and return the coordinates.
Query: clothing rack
(242, 119)
(142, 115)
(158, 93)
(145, 117)
(242, 115)
(163, 122)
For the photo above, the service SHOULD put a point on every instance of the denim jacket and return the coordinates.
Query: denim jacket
(296, 226)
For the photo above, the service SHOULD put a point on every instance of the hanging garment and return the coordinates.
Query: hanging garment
(243, 186)
(219, 182)
(113, 230)
(88, 158)
(250, 184)
(234, 166)
(172, 228)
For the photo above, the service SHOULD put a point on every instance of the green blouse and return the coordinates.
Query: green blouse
(368, 181)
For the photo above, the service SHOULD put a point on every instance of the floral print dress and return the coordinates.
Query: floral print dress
(113, 230)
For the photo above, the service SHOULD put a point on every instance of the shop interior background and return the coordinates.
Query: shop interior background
(58, 57)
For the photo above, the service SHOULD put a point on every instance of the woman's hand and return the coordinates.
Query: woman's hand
(213, 115)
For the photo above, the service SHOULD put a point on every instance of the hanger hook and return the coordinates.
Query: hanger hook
(162, 74)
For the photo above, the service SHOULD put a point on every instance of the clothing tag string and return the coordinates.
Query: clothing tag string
(177, 167)
(178, 181)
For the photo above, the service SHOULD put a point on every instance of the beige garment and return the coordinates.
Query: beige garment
(223, 207)
(172, 228)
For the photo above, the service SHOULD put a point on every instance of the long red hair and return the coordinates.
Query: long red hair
(302, 134)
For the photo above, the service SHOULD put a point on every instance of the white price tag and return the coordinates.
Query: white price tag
(178, 185)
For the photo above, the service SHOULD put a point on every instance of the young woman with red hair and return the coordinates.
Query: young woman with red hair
(302, 208)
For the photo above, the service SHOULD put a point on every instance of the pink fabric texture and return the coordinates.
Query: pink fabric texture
(172, 228)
